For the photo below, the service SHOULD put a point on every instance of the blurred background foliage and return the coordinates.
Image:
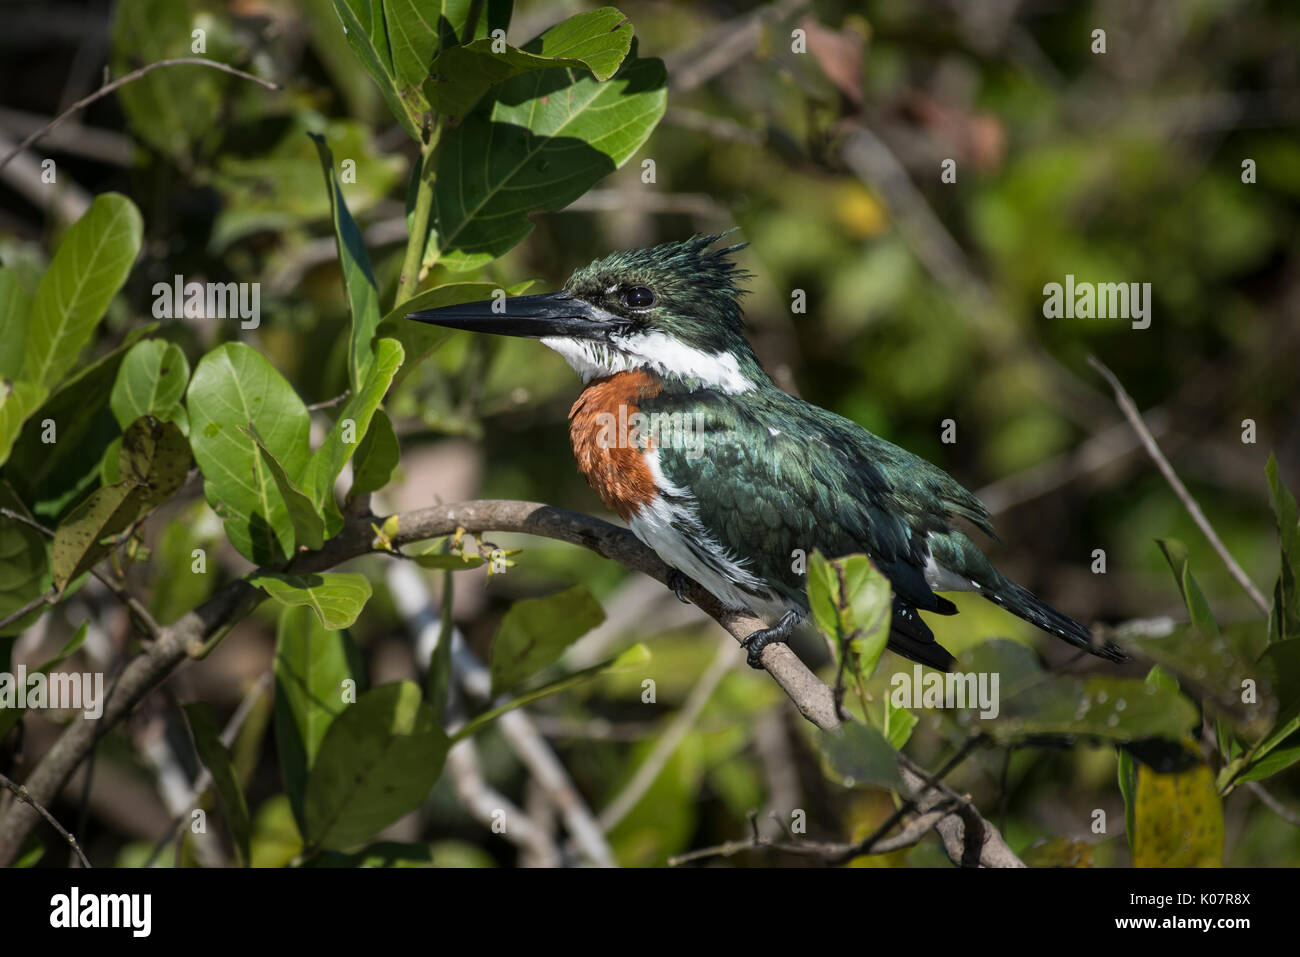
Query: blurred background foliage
(924, 303)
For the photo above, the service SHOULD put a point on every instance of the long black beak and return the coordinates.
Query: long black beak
(537, 317)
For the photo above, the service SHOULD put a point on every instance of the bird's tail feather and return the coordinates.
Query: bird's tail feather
(1023, 603)
(912, 638)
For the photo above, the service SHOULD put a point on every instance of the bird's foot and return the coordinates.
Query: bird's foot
(759, 640)
(677, 582)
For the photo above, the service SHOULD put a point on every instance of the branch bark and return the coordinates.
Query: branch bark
(197, 629)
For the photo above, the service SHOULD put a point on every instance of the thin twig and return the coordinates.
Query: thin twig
(37, 602)
(1126, 405)
(20, 792)
(330, 403)
(1276, 806)
(668, 742)
(108, 88)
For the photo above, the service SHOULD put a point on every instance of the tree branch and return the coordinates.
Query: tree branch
(108, 88)
(22, 795)
(1125, 403)
(235, 600)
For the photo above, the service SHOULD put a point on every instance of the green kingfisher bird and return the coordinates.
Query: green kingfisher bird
(730, 479)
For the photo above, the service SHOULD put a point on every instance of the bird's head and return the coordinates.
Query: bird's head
(672, 309)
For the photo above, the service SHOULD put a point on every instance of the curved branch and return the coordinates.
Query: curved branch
(234, 601)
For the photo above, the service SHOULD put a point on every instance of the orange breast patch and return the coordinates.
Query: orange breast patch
(609, 442)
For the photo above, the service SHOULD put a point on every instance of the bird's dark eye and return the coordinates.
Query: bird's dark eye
(638, 297)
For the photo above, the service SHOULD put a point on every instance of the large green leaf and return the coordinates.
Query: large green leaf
(367, 41)
(596, 41)
(234, 385)
(535, 632)
(88, 269)
(1034, 704)
(215, 757)
(348, 432)
(151, 381)
(311, 666)
(546, 138)
(417, 30)
(155, 459)
(336, 597)
(378, 761)
(358, 277)
(15, 307)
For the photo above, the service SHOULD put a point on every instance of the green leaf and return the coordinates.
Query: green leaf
(1284, 620)
(233, 386)
(417, 29)
(536, 631)
(418, 339)
(348, 432)
(1036, 704)
(857, 755)
(52, 475)
(172, 109)
(15, 308)
(366, 42)
(154, 462)
(851, 604)
(377, 456)
(11, 716)
(312, 665)
(89, 268)
(596, 41)
(150, 381)
(308, 526)
(24, 563)
(546, 139)
(1179, 819)
(1273, 763)
(358, 277)
(437, 681)
(899, 723)
(1127, 770)
(18, 400)
(336, 597)
(215, 757)
(635, 657)
(378, 761)
(1202, 618)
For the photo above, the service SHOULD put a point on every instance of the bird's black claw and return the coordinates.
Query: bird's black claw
(677, 582)
(755, 644)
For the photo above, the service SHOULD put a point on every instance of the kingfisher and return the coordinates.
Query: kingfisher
(728, 478)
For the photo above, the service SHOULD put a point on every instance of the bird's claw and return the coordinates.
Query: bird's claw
(677, 582)
(755, 644)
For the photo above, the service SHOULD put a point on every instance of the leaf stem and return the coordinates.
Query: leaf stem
(415, 242)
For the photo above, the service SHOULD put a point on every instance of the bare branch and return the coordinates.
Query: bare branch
(108, 88)
(1126, 405)
(20, 792)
